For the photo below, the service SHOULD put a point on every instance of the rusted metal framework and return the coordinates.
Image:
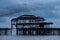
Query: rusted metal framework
(30, 25)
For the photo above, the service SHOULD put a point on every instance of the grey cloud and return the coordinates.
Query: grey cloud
(17, 8)
(8, 8)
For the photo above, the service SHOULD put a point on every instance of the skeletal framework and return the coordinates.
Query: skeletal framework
(30, 25)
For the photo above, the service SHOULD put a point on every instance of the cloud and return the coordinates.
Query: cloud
(10, 7)
(13, 8)
(2, 20)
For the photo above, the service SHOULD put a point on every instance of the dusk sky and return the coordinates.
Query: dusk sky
(49, 9)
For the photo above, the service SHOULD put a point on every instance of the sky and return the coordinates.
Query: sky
(49, 9)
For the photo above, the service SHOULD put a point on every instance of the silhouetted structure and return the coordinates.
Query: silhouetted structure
(31, 25)
(5, 31)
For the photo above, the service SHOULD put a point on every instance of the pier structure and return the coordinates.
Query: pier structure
(31, 25)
